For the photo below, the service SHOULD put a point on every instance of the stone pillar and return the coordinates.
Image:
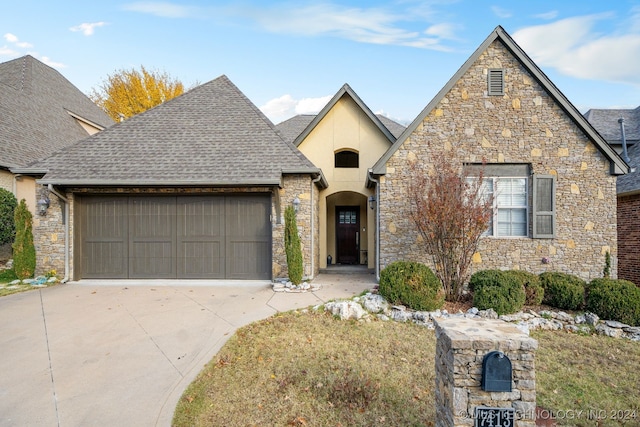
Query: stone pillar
(461, 347)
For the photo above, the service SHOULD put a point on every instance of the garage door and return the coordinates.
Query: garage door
(182, 237)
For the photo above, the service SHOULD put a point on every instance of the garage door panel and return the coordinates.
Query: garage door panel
(152, 237)
(201, 260)
(248, 260)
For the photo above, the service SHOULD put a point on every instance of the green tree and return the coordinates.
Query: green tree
(8, 205)
(126, 93)
(24, 252)
(292, 246)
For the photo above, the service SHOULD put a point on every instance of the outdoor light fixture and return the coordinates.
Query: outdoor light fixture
(296, 204)
(43, 205)
(372, 202)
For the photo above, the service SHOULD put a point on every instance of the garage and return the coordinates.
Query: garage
(173, 237)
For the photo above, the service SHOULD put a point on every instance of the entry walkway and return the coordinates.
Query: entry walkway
(121, 353)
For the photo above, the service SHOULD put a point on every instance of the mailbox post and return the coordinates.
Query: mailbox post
(485, 374)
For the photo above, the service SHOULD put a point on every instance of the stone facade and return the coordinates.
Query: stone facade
(629, 238)
(49, 230)
(525, 125)
(461, 347)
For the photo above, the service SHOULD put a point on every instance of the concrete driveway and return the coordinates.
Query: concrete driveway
(120, 353)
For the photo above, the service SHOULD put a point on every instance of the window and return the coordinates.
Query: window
(496, 81)
(510, 211)
(347, 159)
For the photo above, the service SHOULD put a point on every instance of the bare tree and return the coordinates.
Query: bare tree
(451, 211)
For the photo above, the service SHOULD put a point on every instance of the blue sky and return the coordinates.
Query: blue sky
(290, 57)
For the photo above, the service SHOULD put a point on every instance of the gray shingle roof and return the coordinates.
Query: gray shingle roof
(291, 128)
(606, 123)
(210, 135)
(630, 183)
(35, 102)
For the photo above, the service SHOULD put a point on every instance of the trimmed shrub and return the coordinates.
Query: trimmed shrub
(292, 246)
(498, 290)
(562, 290)
(411, 284)
(613, 299)
(534, 292)
(8, 205)
(24, 252)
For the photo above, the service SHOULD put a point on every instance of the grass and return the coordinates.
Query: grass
(8, 276)
(310, 369)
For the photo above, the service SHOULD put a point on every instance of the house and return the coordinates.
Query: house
(193, 188)
(554, 176)
(344, 140)
(197, 187)
(41, 112)
(611, 124)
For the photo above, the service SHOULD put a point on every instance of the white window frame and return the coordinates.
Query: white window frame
(493, 231)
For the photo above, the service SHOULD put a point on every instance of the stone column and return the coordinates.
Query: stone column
(460, 349)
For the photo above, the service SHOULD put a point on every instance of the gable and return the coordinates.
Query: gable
(519, 68)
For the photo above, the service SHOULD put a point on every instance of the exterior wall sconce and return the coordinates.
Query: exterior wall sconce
(43, 205)
(372, 202)
(296, 204)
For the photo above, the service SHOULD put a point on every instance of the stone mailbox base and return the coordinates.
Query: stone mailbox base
(461, 346)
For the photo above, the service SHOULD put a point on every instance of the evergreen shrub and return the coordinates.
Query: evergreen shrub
(498, 290)
(411, 284)
(563, 290)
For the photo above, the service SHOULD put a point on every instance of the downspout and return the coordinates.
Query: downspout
(377, 221)
(625, 155)
(65, 220)
(313, 243)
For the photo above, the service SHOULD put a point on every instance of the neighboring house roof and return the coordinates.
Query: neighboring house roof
(606, 122)
(210, 135)
(618, 166)
(303, 125)
(39, 109)
(630, 183)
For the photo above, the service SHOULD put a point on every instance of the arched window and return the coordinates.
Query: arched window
(347, 159)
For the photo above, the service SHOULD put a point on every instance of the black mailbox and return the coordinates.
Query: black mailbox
(496, 372)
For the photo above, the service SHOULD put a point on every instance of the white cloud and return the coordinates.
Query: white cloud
(500, 12)
(6, 51)
(573, 48)
(284, 107)
(51, 63)
(12, 38)
(158, 8)
(87, 28)
(552, 14)
(365, 25)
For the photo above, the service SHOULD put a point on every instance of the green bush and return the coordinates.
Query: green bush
(411, 284)
(8, 205)
(562, 290)
(498, 290)
(613, 299)
(292, 246)
(24, 252)
(534, 292)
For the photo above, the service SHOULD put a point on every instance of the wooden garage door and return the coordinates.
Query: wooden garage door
(208, 237)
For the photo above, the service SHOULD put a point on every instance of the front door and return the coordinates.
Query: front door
(347, 234)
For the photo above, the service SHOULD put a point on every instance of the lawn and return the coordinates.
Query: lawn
(310, 369)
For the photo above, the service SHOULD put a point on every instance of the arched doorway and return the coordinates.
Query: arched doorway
(348, 232)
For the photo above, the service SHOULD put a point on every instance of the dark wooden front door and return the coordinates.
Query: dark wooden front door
(347, 234)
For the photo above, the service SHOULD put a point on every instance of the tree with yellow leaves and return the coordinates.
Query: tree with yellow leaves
(126, 93)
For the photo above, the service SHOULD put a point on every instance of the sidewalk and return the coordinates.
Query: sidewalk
(122, 352)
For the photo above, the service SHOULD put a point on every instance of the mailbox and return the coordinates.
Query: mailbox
(496, 372)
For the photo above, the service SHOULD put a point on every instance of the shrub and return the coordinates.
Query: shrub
(498, 290)
(411, 284)
(563, 290)
(292, 246)
(534, 292)
(613, 299)
(24, 252)
(8, 205)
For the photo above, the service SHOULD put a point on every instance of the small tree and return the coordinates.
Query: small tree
(292, 246)
(450, 211)
(8, 204)
(606, 272)
(24, 252)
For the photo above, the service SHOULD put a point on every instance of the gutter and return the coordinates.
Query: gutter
(377, 221)
(313, 244)
(65, 221)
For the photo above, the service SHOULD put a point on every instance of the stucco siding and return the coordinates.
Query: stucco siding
(524, 125)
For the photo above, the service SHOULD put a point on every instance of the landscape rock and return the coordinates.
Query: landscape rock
(346, 310)
(603, 329)
(615, 324)
(488, 314)
(374, 303)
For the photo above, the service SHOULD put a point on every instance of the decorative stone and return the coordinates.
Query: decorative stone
(488, 314)
(346, 310)
(603, 329)
(374, 303)
(615, 324)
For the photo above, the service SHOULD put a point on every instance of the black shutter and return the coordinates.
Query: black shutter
(544, 206)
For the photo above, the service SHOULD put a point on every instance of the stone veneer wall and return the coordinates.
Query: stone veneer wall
(460, 349)
(629, 238)
(49, 229)
(522, 126)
